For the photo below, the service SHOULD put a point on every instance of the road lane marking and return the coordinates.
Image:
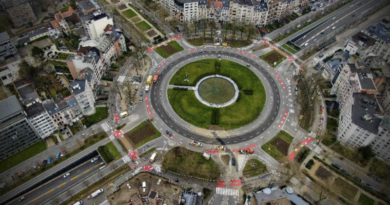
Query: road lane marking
(74, 178)
(61, 185)
(86, 171)
(50, 191)
(97, 165)
(35, 199)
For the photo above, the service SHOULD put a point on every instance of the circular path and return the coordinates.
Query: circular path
(238, 138)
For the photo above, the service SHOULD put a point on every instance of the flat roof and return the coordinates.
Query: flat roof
(4, 36)
(365, 105)
(9, 107)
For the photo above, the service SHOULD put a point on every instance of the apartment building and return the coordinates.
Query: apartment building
(65, 20)
(7, 49)
(16, 132)
(84, 96)
(87, 6)
(27, 94)
(191, 10)
(385, 99)
(381, 143)
(381, 33)
(19, 12)
(40, 119)
(95, 27)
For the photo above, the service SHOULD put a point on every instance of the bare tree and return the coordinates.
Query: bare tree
(212, 27)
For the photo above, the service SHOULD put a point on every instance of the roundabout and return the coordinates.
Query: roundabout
(162, 104)
(216, 91)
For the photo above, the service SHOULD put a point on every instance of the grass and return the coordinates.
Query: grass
(272, 57)
(271, 150)
(147, 152)
(239, 43)
(379, 168)
(168, 50)
(100, 114)
(344, 188)
(189, 163)
(143, 133)
(291, 50)
(365, 200)
(303, 153)
(254, 168)
(113, 150)
(143, 26)
(199, 41)
(129, 13)
(22, 156)
(193, 111)
(109, 152)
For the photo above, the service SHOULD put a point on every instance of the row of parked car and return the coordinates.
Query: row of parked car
(355, 177)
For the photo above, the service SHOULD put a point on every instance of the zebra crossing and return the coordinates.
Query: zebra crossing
(112, 137)
(157, 168)
(241, 161)
(226, 191)
(105, 127)
(126, 158)
(225, 200)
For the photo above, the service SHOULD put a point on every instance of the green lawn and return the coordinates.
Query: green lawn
(345, 189)
(129, 13)
(143, 26)
(100, 114)
(253, 168)
(199, 41)
(365, 200)
(147, 152)
(271, 150)
(21, 156)
(189, 163)
(113, 150)
(168, 50)
(287, 47)
(272, 57)
(193, 111)
(239, 43)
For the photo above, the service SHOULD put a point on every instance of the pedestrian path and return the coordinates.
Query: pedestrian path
(226, 191)
(241, 162)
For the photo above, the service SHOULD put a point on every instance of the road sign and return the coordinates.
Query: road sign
(133, 154)
(147, 168)
(116, 118)
(118, 133)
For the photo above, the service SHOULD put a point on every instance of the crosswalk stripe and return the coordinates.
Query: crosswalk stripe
(227, 192)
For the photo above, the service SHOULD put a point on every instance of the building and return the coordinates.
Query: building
(16, 132)
(10, 72)
(65, 20)
(7, 49)
(332, 69)
(277, 196)
(40, 119)
(87, 6)
(385, 99)
(381, 143)
(84, 96)
(20, 12)
(95, 27)
(33, 35)
(381, 33)
(70, 110)
(360, 44)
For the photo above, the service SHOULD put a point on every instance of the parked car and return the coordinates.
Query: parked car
(377, 179)
(357, 179)
(321, 55)
(69, 135)
(345, 172)
(234, 161)
(195, 143)
(66, 175)
(368, 185)
(336, 165)
(44, 163)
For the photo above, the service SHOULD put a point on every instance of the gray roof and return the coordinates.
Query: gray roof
(4, 36)
(381, 31)
(246, 2)
(51, 107)
(365, 39)
(261, 6)
(275, 194)
(72, 102)
(12, 3)
(87, 5)
(9, 107)
(366, 82)
(28, 94)
(334, 64)
(77, 86)
(34, 110)
(190, 198)
(365, 105)
(386, 122)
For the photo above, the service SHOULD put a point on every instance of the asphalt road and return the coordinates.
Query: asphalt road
(160, 110)
(350, 13)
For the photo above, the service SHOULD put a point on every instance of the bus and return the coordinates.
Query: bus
(149, 80)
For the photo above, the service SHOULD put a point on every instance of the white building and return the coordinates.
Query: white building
(381, 144)
(40, 119)
(381, 32)
(10, 72)
(191, 10)
(95, 26)
(84, 96)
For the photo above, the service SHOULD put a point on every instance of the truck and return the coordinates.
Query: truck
(206, 155)
(247, 151)
(155, 78)
(124, 114)
(147, 87)
(149, 79)
(95, 193)
(153, 157)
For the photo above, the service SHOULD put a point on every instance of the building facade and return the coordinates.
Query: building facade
(40, 119)
(95, 26)
(84, 96)
(381, 143)
(7, 49)
(16, 132)
(20, 12)
(381, 32)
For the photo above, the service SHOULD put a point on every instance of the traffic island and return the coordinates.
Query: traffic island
(273, 58)
(169, 49)
(254, 168)
(278, 146)
(142, 134)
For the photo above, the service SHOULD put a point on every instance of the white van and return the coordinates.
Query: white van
(334, 27)
(153, 157)
(78, 203)
(143, 184)
(95, 193)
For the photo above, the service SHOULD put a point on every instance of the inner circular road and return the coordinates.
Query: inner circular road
(158, 87)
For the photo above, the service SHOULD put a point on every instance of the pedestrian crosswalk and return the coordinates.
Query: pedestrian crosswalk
(105, 127)
(126, 159)
(241, 162)
(227, 191)
(157, 168)
(112, 137)
(225, 200)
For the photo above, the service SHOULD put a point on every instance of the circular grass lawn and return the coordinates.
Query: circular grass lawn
(246, 109)
(216, 90)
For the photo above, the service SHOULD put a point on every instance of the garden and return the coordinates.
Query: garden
(169, 49)
(143, 26)
(142, 134)
(109, 152)
(189, 163)
(251, 98)
(100, 114)
(129, 13)
(273, 58)
(277, 147)
(254, 168)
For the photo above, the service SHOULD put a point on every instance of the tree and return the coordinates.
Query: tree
(37, 52)
(366, 152)
(49, 68)
(204, 27)
(241, 28)
(27, 71)
(251, 31)
(212, 27)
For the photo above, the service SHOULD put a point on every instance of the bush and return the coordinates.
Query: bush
(310, 164)
(215, 117)
(107, 157)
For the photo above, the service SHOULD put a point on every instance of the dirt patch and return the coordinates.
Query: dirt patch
(323, 173)
(115, 1)
(281, 145)
(226, 159)
(168, 49)
(135, 19)
(122, 6)
(260, 47)
(140, 134)
(151, 33)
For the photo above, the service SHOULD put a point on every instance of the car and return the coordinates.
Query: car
(377, 180)
(322, 33)
(306, 44)
(336, 165)
(334, 27)
(66, 175)
(22, 198)
(334, 18)
(62, 132)
(168, 133)
(69, 135)
(357, 179)
(195, 143)
(353, 15)
(321, 55)
(94, 159)
(220, 147)
(44, 163)
(234, 161)
(368, 185)
(345, 172)
(303, 37)
(359, 3)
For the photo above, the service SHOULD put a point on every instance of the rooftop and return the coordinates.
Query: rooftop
(77, 86)
(86, 5)
(4, 36)
(9, 107)
(28, 94)
(366, 82)
(363, 39)
(334, 64)
(381, 31)
(363, 112)
(386, 122)
(51, 107)
(34, 110)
